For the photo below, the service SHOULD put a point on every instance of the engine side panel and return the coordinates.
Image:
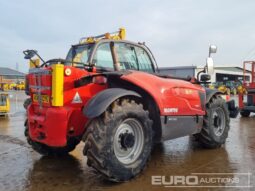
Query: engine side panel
(174, 97)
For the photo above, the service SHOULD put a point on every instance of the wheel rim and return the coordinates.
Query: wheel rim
(219, 122)
(128, 141)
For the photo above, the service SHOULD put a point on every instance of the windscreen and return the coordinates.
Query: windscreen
(79, 53)
(3, 100)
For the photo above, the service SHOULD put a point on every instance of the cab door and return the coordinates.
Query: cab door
(103, 58)
(132, 57)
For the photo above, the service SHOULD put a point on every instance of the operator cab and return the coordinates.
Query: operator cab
(103, 53)
(111, 53)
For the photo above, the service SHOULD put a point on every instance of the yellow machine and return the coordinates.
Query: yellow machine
(12, 86)
(212, 86)
(4, 87)
(4, 103)
(20, 86)
(220, 86)
(241, 89)
(224, 89)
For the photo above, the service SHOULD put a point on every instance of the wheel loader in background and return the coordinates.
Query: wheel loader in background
(223, 88)
(232, 87)
(4, 87)
(228, 87)
(12, 86)
(109, 94)
(4, 103)
(20, 86)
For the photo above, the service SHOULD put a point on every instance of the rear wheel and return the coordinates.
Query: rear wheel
(119, 142)
(216, 124)
(245, 113)
(51, 151)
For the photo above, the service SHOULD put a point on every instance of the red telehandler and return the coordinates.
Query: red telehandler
(109, 94)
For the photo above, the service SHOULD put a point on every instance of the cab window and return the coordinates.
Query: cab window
(131, 57)
(144, 60)
(3, 100)
(103, 57)
(126, 56)
(79, 53)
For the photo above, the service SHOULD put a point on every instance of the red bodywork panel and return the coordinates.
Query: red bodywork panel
(52, 125)
(174, 97)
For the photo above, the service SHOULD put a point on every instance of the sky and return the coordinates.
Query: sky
(177, 32)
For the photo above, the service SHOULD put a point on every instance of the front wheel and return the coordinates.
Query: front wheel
(215, 125)
(119, 142)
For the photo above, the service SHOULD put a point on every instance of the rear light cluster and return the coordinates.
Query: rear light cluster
(185, 93)
(191, 95)
(68, 71)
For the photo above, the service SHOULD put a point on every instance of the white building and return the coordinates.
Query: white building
(221, 73)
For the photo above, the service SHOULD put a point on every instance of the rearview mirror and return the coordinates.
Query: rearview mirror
(209, 66)
(212, 49)
(29, 54)
(209, 61)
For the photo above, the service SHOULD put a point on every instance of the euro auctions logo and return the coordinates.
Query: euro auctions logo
(205, 180)
(175, 180)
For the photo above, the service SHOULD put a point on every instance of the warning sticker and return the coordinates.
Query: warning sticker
(77, 98)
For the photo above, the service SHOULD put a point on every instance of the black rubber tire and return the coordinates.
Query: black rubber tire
(51, 151)
(245, 113)
(207, 137)
(99, 138)
(27, 102)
